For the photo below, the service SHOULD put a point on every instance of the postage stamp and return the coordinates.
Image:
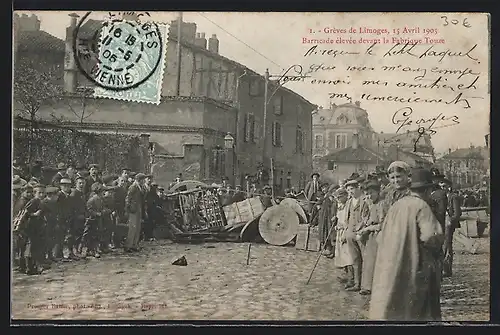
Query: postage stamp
(131, 61)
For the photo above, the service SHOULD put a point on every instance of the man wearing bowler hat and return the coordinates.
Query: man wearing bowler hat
(407, 277)
(134, 205)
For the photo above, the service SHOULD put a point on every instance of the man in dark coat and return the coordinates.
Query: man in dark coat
(93, 224)
(79, 209)
(51, 211)
(120, 193)
(312, 187)
(61, 173)
(65, 207)
(439, 200)
(92, 178)
(33, 232)
(19, 238)
(326, 212)
(454, 213)
(152, 204)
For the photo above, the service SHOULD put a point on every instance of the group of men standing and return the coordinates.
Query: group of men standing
(391, 233)
(76, 216)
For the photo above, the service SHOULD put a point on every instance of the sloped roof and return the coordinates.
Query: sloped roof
(355, 114)
(471, 153)
(405, 139)
(360, 154)
(393, 156)
(36, 41)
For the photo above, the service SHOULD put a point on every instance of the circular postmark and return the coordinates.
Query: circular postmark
(119, 55)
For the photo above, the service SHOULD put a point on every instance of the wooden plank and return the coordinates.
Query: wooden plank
(302, 237)
(313, 243)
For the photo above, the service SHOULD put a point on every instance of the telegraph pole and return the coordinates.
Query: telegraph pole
(179, 53)
(264, 123)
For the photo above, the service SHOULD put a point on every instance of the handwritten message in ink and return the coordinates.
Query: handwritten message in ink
(421, 72)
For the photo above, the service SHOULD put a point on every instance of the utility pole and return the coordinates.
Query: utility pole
(264, 122)
(179, 53)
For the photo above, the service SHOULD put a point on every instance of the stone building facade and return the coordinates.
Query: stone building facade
(218, 96)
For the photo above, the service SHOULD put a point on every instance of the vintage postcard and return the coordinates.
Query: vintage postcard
(251, 166)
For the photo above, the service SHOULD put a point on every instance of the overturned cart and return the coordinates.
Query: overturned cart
(195, 214)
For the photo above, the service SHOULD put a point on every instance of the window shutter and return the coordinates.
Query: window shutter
(256, 134)
(273, 135)
(251, 124)
(331, 165)
(245, 128)
(278, 131)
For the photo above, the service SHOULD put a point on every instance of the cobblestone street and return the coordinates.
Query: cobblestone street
(217, 284)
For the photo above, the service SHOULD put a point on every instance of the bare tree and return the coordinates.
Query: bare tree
(35, 84)
(80, 109)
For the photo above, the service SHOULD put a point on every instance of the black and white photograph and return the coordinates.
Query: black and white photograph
(250, 166)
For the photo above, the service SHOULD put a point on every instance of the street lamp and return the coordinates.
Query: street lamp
(228, 141)
(229, 146)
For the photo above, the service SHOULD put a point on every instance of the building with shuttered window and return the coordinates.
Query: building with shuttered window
(218, 96)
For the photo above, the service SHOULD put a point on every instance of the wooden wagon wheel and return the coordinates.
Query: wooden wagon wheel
(279, 225)
(295, 205)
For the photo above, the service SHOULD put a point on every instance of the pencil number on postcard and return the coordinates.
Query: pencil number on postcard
(447, 21)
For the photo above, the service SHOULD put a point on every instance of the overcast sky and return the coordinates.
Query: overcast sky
(275, 41)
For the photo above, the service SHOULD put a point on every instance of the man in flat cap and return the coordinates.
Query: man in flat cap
(407, 277)
(61, 173)
(134, 205)
(107, 217)
(399, 182)
(238, 195)
(357, 210)
(368, 234)
(120, 193)
(124, 177)
(93, 223)
(51, 211)
(79, 209)
(32, 231)
(92, 178)
(65, 208)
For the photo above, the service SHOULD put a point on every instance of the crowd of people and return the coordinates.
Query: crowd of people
(391, 233)
(77, 214)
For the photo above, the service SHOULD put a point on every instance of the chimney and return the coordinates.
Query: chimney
(130, 16)
(355, 140)
(213, 44)
(28, 23)
(357, 103)
(203, 41)
(70, 69)
(333, 105)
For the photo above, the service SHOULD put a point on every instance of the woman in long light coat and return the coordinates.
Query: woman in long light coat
(343, 257)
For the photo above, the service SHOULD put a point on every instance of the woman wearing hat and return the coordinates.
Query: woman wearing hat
(406, 281)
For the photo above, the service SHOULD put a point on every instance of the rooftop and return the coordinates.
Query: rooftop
(36, 41)
(468, 153)
(359, 154)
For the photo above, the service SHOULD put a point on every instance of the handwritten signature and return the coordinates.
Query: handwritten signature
(403, 119)
(408, 49)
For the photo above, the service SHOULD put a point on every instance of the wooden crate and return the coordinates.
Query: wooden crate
(307, 238)
(243, 211)
(469, 227)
